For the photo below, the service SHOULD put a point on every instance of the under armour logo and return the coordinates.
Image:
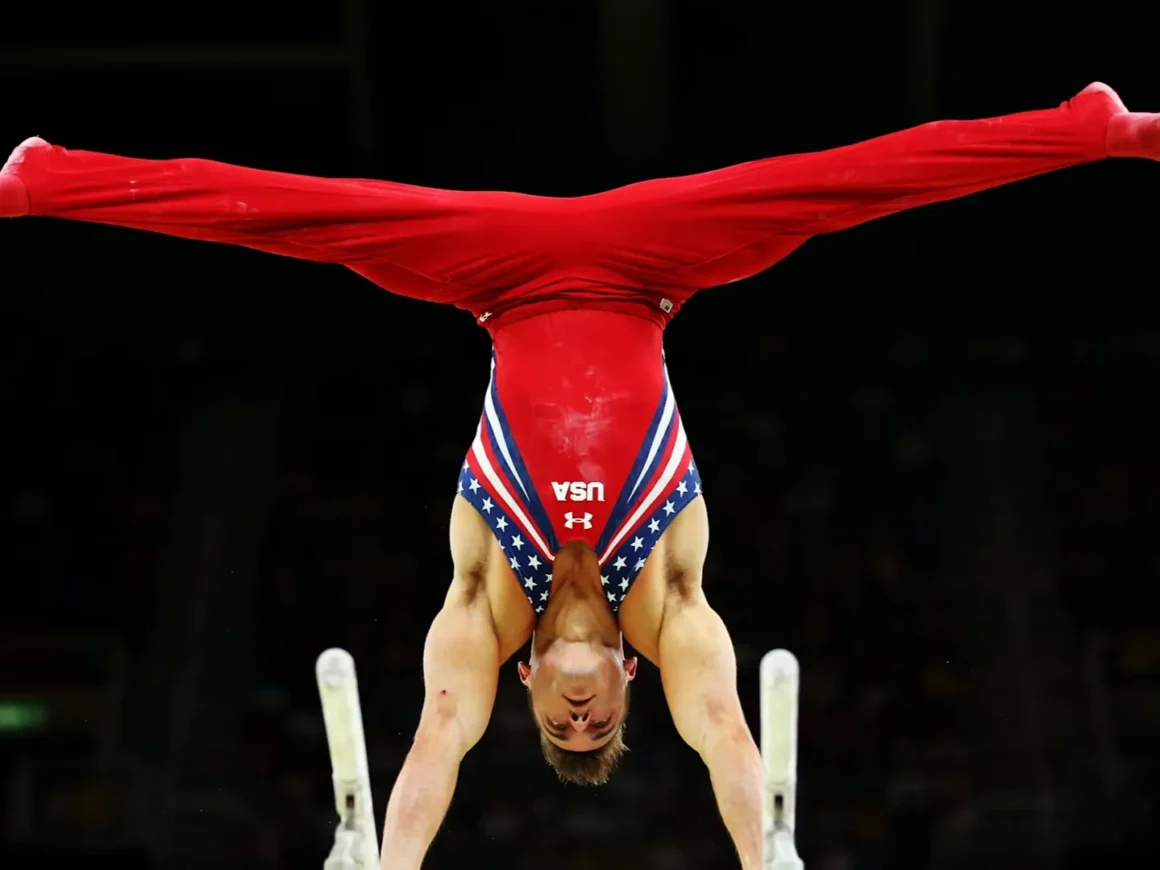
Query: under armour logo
(570, 520)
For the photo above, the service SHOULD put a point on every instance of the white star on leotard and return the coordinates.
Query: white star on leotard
(654, 526)
(487, 505)
(619, 563)
(501, 524)
(533, 561)
(637, 543)
(518, 542)
(474, 485)
(669, 509)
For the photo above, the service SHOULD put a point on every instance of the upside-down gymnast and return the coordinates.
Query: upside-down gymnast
(579, 519)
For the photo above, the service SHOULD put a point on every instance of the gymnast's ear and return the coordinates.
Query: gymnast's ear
(525, 673)
(630, 668)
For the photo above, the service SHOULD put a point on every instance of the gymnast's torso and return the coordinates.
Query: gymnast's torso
(580, 439)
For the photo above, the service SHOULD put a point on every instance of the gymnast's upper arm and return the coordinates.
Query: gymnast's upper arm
(460, 670)
(699, 671)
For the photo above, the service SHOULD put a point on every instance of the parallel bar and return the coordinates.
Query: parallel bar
(779, 717)
(356, 843)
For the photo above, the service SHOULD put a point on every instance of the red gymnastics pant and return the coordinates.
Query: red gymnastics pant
(501, 256)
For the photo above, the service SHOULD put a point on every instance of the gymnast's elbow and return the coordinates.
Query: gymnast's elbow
(724, 731)
(441, 733)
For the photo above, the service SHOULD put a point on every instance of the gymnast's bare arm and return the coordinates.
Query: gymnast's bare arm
(460, 671)
(699, 672)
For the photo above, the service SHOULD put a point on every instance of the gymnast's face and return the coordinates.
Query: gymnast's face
(577, 692)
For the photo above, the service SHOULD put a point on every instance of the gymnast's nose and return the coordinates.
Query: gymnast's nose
(578, 685)
(579, 720)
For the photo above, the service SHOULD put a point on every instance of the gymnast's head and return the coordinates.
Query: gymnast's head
(578, 678)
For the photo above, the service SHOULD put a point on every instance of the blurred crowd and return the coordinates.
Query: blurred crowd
(824, 476)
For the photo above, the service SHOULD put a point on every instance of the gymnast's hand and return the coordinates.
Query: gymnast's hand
(13, 194)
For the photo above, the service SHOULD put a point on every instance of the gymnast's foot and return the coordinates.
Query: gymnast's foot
(1130, 134)
(13, 194)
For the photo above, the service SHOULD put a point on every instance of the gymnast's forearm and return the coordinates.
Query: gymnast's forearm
(419, 801)
(735, 768)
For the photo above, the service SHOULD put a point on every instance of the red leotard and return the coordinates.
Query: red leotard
(580, 436)
(580, 439)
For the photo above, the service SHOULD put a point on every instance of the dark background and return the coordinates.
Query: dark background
(929, 443)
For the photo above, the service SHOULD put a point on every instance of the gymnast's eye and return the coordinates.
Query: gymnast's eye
(601, 724)
(557, 725)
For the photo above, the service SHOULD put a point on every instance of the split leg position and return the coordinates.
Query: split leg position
(499, 256)
(489, 252)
